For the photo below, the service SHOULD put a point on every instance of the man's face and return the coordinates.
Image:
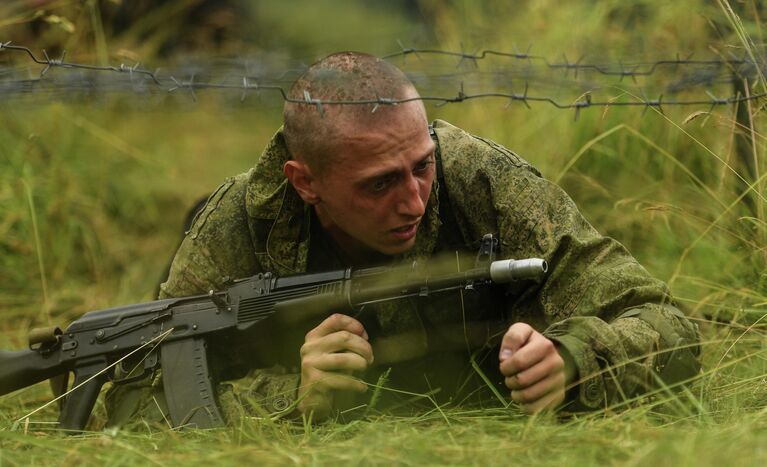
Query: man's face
(374, 194)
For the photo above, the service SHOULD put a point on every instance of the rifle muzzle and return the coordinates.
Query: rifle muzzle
(514, 270)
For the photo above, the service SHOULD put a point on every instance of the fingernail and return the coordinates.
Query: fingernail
(365, 335)
(505, 353)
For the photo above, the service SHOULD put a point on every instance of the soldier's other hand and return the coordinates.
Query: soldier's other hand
(331, 352)
(533, 369)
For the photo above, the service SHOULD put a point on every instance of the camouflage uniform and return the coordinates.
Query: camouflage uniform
(609, 317)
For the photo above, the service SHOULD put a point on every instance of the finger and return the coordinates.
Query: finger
(515, 338)
(340, 341)
(549, 402)
(323, 382)
(534, 351)
(345, 361)
(337, 322)
(549, 365)
(539, 390)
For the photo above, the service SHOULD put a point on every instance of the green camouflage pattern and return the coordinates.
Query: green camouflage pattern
(615, 322)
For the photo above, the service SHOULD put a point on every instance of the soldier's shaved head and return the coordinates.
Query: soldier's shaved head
(344, 76)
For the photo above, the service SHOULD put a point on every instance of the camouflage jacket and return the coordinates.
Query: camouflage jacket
(612, 320)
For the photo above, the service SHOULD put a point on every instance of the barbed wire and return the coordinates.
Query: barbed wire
(247, 84)
(632, 70)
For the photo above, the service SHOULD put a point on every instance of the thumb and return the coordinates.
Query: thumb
(517, 336)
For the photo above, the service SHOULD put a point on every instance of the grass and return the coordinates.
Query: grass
(92, 196)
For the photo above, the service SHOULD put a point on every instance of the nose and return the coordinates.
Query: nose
(411, 204)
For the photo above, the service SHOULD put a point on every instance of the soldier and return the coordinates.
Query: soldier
(354, 185)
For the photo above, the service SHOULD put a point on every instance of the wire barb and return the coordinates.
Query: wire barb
(244, 88)
(581, 104)
(316, 102)
(524, 96)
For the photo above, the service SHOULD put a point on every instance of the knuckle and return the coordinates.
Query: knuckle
(515, 362)
(522, 380)
(346, 336)
(511, 382)
(519, 328)
(353, 324)
(308, 362)
(337, 359)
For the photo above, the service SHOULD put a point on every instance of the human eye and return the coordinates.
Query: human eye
(379, 185)
(423, 166)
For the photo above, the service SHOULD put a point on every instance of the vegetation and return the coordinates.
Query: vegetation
(93, 194)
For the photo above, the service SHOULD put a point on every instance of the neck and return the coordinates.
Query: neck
(352, 252)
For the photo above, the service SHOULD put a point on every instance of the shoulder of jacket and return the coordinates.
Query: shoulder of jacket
(231, 192)
(459, 147)
(228, 197)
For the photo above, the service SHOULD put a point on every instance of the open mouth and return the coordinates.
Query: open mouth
(405, 232)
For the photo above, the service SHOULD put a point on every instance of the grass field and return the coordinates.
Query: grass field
(93, 193)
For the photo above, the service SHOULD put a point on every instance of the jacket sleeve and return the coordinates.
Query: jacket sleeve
(615, 322)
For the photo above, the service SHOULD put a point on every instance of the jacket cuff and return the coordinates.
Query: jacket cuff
(586, 391)
(264, 393)
(276, 394)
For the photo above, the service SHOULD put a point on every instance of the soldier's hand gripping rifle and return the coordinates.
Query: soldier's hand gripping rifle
(179, 329)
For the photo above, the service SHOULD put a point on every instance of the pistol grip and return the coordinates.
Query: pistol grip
(79, 403)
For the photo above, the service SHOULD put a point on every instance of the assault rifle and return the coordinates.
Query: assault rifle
(173, 334)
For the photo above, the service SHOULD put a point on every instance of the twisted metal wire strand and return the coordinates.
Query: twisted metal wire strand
(624, 70)
(585, 101)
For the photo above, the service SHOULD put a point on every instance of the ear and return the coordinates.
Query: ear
(300, 176)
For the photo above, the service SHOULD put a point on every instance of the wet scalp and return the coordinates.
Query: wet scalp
(344, 76)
